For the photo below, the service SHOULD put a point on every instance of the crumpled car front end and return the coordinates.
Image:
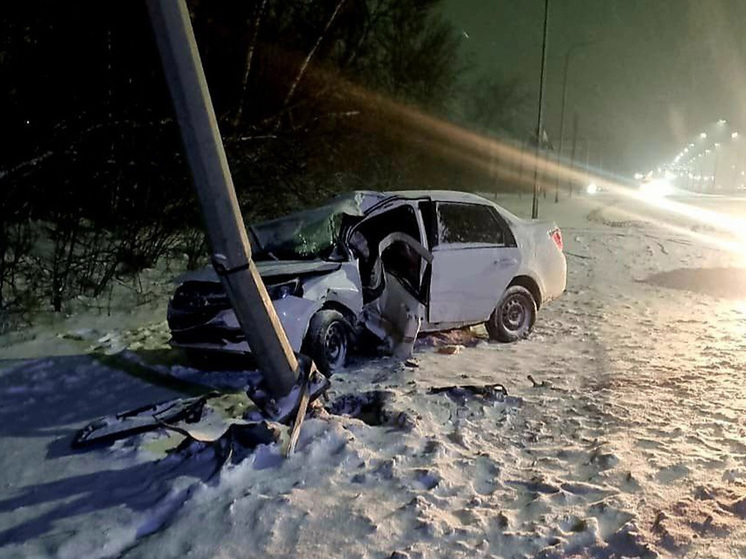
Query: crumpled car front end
(304, 267)
(201, 318)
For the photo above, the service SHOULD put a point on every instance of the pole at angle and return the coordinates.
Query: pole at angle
(226, 232)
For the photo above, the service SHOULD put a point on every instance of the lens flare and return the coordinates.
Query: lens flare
(504, 162)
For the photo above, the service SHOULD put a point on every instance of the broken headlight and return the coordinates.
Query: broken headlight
(282, 290)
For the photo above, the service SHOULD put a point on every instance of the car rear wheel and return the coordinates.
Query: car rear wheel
(514, 316)
(327, 341)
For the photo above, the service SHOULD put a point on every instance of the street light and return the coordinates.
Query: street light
(540, 118)
(703, 135)
(572, 49)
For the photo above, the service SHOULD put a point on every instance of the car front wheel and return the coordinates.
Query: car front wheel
(327, 341)
(514, 316)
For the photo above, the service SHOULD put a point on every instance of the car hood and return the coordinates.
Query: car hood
(267, 269)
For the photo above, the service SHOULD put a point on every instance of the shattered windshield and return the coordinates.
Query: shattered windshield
(303, 235)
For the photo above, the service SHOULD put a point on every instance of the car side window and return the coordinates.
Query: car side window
(468, 223)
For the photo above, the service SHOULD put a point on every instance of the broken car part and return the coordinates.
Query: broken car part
(208, 417)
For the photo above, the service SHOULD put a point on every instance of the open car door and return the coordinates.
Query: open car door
(400, 310)
(394, 267)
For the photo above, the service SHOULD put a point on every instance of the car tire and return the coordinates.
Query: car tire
(514, 316)
(327, 341)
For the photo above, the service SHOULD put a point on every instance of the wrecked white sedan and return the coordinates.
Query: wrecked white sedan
(390, 264)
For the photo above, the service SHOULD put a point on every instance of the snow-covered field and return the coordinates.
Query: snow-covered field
(630, 442)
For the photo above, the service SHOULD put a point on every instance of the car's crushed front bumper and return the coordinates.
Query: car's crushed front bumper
(219, 330)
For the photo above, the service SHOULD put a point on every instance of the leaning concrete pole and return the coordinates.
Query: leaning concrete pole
(231, 252)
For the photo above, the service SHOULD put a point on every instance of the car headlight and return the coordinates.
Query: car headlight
(657, 188)
(282, 290)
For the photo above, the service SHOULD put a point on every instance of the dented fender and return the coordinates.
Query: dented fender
(342, 287)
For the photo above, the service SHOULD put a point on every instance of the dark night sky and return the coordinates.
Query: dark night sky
(660, 71)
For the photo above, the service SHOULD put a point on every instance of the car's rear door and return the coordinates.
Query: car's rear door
(473, 262)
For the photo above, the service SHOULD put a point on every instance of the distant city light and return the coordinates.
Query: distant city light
(722, 121)
(703, 135)
(734, 135)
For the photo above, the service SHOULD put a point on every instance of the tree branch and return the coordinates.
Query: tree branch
(249, 58)
(308, 59)
(30, 163)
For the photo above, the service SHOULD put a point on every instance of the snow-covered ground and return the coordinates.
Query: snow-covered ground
(630, 442)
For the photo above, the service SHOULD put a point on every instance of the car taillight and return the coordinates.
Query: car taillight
(556, 234)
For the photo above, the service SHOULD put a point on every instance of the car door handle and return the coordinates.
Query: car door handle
(506, 261)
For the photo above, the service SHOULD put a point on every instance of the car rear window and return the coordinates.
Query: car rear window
(468, 223)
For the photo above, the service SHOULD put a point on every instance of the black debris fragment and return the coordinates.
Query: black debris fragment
(461, 393)
(368, 406)
(371, 408)
(535, 384)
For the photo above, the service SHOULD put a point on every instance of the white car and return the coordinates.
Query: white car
(378, 262)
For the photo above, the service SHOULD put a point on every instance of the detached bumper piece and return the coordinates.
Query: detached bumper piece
(203, 419)
(139, 420)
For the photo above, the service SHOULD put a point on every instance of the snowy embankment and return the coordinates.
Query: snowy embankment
(629, 441)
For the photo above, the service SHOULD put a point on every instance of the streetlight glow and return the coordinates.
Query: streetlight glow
(703, 135)
(734, 135)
